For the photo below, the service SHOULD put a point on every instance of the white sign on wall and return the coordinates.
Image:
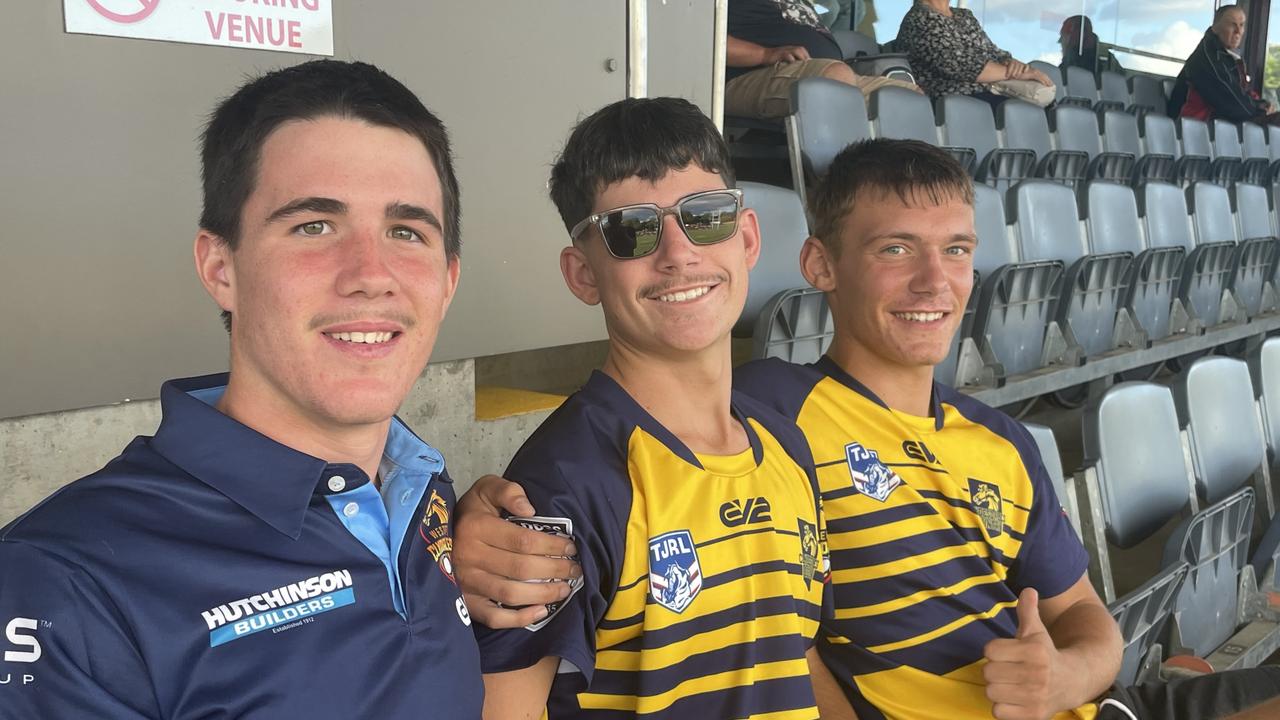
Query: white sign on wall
(297, 26)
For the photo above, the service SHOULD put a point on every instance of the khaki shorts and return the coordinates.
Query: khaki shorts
(766, 92)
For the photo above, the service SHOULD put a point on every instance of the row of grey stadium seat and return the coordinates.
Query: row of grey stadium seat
(1109, 89)
(1068, 143)
(1202, 453)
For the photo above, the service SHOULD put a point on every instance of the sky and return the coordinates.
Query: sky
(1029, 28)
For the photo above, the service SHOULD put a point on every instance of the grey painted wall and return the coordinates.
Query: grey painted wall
(99, 177)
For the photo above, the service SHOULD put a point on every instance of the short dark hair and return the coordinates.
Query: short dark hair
(909, 169)
(636, 137)
(1223, 10)
(232, 141)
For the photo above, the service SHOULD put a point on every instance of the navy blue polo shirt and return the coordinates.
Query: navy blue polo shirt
(210, 571)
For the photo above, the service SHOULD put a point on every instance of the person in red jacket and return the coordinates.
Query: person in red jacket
(1214, 82)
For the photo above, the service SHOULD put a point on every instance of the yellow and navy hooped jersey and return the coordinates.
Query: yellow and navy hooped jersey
(705, 577)
(935, 526)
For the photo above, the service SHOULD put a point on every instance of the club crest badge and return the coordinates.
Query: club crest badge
(675, 577)
(434, 529)
(870, 476)
(810, 550)
(987, 503)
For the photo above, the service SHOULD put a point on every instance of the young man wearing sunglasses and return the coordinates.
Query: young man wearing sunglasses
(693, 509)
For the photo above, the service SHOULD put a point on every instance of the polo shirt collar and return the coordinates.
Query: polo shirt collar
(832, 369)
(272, 481)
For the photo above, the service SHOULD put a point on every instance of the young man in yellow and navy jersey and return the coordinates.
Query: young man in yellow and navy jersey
(960, 587)
(694, 510)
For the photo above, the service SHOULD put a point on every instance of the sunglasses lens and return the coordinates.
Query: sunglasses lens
(710, 218)
(632, 232)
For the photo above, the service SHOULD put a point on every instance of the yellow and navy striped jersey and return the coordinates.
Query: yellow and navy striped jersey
(935, 526)
(704, 577)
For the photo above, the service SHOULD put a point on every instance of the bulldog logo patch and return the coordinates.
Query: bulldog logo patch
(986, 501)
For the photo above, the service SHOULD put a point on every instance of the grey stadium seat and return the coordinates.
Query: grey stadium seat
(1048, 447)
(1141, 614)
(1024, 126)
(1115, 89)
(1257, 156)
(794, 325)
(1147, 92)
(1048, 228)
(1163, 208)
(1264, 366)
(1227, 152)
(1081, 85)
(1197, 150)
(1215, 402)
(1210, 265)
(783, 230)
(1247, 270)
(1111, 220)
(1132, 434)
(1015, 299)
(826, 116)
(993, 252)
(852, 43)
(1273, 141)
(965, 121)
(1160, 148)
(899, 113)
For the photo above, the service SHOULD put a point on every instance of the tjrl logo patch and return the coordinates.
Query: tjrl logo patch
(870, 476)
(675, 576)
(986, 501)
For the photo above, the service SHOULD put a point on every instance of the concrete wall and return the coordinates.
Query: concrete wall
(41, 453)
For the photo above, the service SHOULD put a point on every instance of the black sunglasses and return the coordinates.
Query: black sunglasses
(634, 231)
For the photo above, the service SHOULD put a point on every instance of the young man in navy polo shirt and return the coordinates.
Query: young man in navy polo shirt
(282, 546)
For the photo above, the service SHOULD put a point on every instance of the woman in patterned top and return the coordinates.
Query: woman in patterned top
(951, 55)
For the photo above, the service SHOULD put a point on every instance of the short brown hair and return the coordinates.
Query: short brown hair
(909, 169)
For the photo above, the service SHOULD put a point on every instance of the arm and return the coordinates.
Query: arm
(1066, 653)
(497, 560)
(832, 703)
(65, 647)
(744, 53)
(519, 694)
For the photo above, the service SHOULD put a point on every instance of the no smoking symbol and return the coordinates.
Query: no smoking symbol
(134, 10)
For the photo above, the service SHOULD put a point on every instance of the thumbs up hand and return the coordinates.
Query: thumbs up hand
(1023, 673)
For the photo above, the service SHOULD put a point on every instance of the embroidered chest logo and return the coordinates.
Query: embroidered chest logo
(434, 529)
(675, 577)
(870, 476)
(810, 550)
(986, 501)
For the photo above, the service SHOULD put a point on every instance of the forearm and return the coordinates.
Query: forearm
(1090, 643)
(993, 72)
(744, 53)
(519, 694)
(832, 703)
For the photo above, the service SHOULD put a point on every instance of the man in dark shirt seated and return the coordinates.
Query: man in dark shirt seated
(772, 44)
(1214, 82)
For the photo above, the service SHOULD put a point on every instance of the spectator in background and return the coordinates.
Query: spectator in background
(1079, 43)
(1214, 82)
(951, 55)
(773, 44)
